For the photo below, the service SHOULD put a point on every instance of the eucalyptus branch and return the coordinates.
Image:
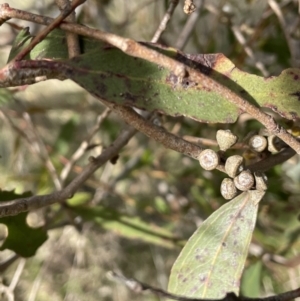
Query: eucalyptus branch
(133, 48)
(139, 287)
(156, 132)
(271, 161)
(185, 147)
(262, 165)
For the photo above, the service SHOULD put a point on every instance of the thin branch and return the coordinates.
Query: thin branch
(43, 152)
(35, 143)
(271, 161)
(163, 24)
(187, 145)
(139, 287)
(189, 25)
(133, 48)
(6, 263)
(72, 39)
(262, 166)
(83, 146)
(241, 39)
(156, 132)
(17, 274)
(4, 291)
(17, 206)
(278, 12)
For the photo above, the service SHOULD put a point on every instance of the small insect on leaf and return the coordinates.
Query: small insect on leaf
(212, 261)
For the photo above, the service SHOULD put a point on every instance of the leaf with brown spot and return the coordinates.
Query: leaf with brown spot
(212, 261)
(112, 75)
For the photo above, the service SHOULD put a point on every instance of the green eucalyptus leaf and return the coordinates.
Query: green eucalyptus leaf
(53, 47)
(127, 226)
(110, 74)
(251, 280)
(212, 261)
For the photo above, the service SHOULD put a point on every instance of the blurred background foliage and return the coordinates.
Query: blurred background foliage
(135, 215)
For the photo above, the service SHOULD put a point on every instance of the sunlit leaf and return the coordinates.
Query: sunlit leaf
(79, 198)
(212, 261)
(127, 226)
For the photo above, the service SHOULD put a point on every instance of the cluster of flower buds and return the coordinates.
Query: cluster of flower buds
(263, 141)
(240, 179)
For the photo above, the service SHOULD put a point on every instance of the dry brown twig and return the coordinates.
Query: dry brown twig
(217, 11)
(242, 41)
(156, 132)
(164, 22)
(189, 25)
(139, 287)
(83, 146)
(35, 143)
(9, 290)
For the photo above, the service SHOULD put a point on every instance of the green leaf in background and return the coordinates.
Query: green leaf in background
(127, 226)
(22, 40)
(5, 96)
(21, 238)
(66, 135)
(54, 46)
(79, 198)
(212, 261)
(251, 280)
